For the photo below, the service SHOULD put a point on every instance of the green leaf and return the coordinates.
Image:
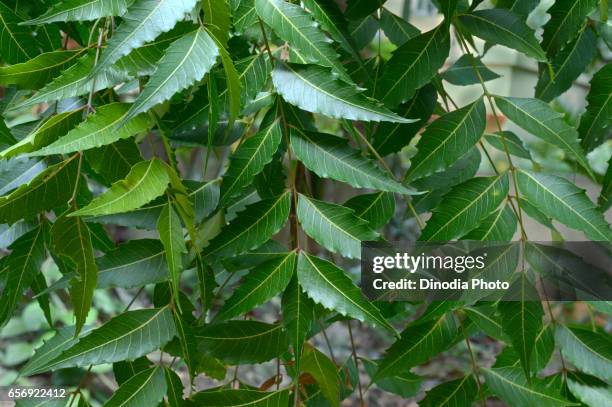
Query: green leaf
(595, 122)
(36, 72)
(18, 171)
(567, 65)
(376, 208)
(294, 25)
(404, 384)
(563, 201)
(146, 388)
(244, 14)
(171, 235)
(521, 8)
(114, 161)
(360, 8)
(447, 139)
(503, 139)
(463, 71)
(146, 181)
(261, 284)
(456, 393)
(241, 398)
(298, 317)
(566, 17)
(333, 226)
(99, 129)
(251, 227)
(48, 190)
(240, 342)
(497, 227)
(81, 10)
(133, 264)
(510, 384)
(540, 120)
(125, 337)
(324, 371)
(392, 137)
(332, 20)
(249, 159)
(396, 28)
(22, 265)
(331, 157)
(364, 30)
(521, 321)
(217, 18)
(590, 390)
(413, 65)
(314, 89)
(503, 27)
(185, 62)
(49, 131)
(72, 243)
(75, 81)
(465, 207)
(417, 344)
(329, 286)
(175, 388)
(18, 42)
(589, 351)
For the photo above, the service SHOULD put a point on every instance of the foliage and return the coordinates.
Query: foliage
(229, 156)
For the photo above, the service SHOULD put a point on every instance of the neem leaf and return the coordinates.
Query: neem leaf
(241, 398)
(329, 286)
(314, 89)
(324, 371)
(376, 208)
(81, 10)
(456, 393)
(146, 181)
(36, 72)
(146, 388)
(171, 234)
(595, 122)
(589, 351)
(333, 226)
(566, 17)
(331, 157)
(463, 71)
(18, 42)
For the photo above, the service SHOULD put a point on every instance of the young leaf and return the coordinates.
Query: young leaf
(497, 227)
(457, 393)
(418, 59)
(146, 388)
(563, 201)
(417, 344)
(98, 130)
(447, 139)
(503, 27)
(595, 122)
(463, 71)
(79, 10)
(249, 159)
(566, 17)
(329, 286)
(241, 398)
(126, 336)
(377, 208)
(333, 226)
(18, 42)
(396, 28)
(252, 227)
(23, 264)
(314, 89)
(262, 283)
(464, 207)
(331, 157)
(146, 181)
(567, 65)
(510, 384)
(324, 371)
(185, 62)
(294, 25)
(144, 21)
(72, 241)
(36, 72)
(48, 190)
(587, 350)
(540, 120)
(240, 342)
(171, 235)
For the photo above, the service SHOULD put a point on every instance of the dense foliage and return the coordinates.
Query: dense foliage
(200, 153)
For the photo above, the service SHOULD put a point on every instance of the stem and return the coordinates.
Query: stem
(475, 369)
(354, 352)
